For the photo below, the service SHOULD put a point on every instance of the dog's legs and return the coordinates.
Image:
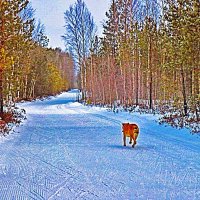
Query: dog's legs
(130, 142)
(136, 135)
(134, 143)
(124, 139)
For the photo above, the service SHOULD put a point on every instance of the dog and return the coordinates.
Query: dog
(130, 130)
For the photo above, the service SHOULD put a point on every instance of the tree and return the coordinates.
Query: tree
(182, 27)
(15, 30)
(39, 34)
(80, 32)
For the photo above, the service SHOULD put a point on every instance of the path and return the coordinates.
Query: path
(67, 151)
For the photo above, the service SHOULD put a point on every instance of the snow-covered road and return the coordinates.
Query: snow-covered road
(65, 150)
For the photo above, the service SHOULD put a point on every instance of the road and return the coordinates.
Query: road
(65, 150)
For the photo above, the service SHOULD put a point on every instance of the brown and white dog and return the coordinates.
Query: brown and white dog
(130, 130)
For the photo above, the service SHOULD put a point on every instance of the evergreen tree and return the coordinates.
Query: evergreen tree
(15, 31)
(182, 27)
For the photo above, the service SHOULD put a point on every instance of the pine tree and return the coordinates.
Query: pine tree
(15, 32)
(182, 17)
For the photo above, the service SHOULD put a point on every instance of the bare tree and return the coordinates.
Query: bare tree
(80, 33)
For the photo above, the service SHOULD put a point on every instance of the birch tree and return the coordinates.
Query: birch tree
(80, 33)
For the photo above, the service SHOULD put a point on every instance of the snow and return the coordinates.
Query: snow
(65, 150)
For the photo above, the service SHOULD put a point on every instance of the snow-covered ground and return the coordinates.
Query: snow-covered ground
(65, 150)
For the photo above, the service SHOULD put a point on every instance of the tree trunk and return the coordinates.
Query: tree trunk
(184, 92)
(1, 61)
(150, 92)
(136, 74)
(1, 90)
(150, 73)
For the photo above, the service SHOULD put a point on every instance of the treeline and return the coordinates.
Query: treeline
(148, 57)
(28, 69)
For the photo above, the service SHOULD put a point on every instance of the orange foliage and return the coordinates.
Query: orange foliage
(2, 124)
(7, 117)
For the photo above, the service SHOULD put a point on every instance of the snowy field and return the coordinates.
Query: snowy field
(65, 150)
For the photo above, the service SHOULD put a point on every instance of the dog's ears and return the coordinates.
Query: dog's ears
(124, 124)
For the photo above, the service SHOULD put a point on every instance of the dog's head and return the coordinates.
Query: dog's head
(125, 126)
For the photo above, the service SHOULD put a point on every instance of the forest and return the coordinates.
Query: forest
(147, 59)
(28, 68)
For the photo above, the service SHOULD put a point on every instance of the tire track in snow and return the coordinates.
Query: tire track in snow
(81, 172)
(24, 181)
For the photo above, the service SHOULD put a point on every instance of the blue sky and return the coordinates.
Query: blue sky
(51, 14)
